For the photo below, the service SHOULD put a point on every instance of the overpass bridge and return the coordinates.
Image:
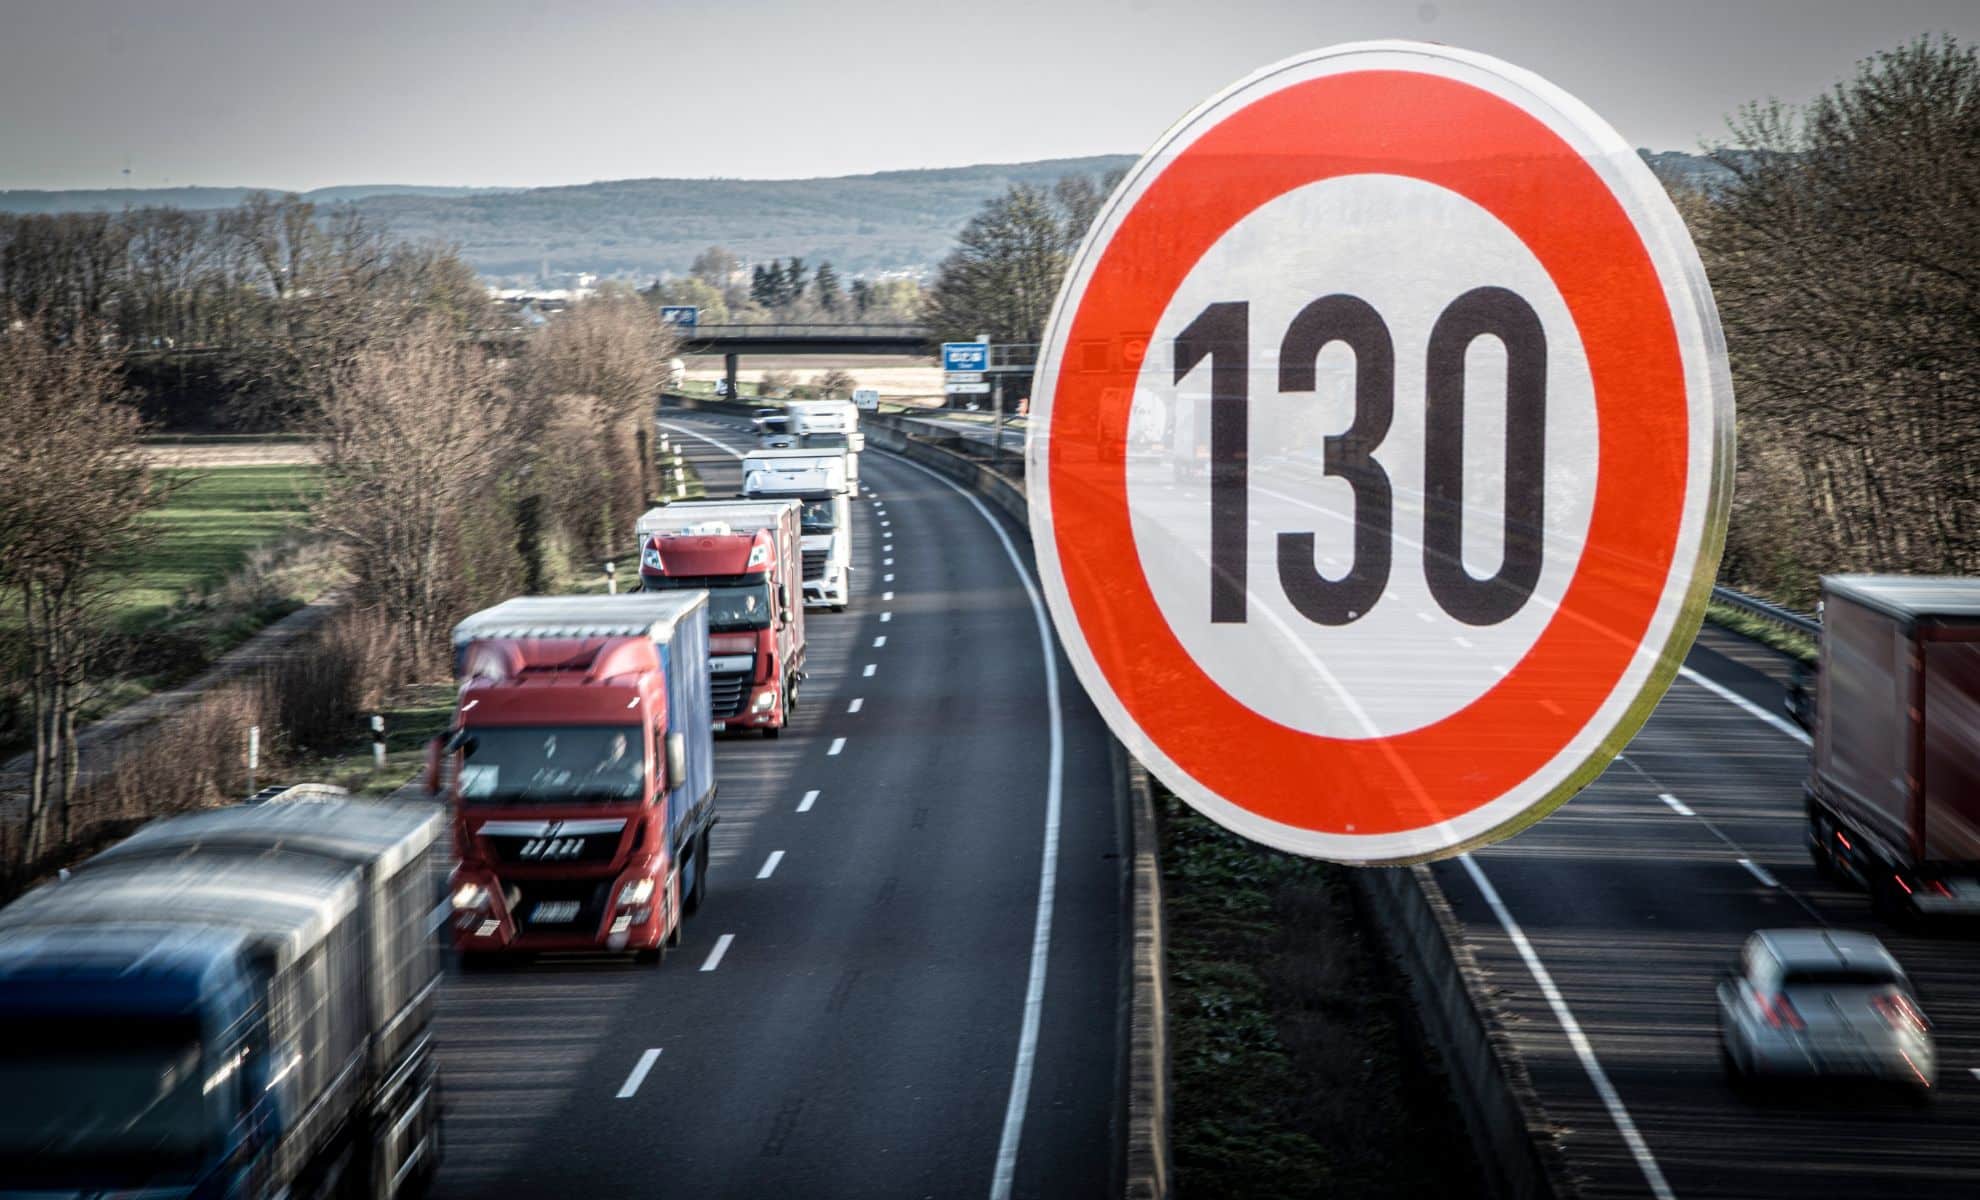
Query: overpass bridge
(732, 342)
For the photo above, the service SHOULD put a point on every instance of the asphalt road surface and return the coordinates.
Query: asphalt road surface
(1635, 895)
(869, 1003)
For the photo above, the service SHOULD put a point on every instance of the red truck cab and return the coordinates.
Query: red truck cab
(582, 788)
(748, 555)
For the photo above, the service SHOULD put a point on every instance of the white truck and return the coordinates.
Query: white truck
(820, 481)
(827, 425)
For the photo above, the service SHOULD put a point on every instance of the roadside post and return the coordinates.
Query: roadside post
(253, 755)
(378, 741)
(1380, 451)
(611, 578)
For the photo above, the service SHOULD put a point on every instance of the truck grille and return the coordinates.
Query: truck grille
(727, 691)
(814, 563)
(553, 851)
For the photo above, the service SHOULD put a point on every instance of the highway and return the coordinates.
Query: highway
(1634, 895)
(909, 975)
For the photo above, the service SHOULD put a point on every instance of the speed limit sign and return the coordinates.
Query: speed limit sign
(1406, 517)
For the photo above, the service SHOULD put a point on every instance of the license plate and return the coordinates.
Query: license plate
(720, 726)
(554, 912)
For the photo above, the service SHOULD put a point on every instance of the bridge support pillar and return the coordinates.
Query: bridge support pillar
(729, 363)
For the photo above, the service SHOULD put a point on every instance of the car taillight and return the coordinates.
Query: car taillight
(1780, 1013)
(1900, 1013)
(1939, 886)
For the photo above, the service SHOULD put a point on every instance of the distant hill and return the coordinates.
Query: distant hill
(641, 228)
(25, 200)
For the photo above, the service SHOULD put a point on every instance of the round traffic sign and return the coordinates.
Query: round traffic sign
(1380, 450)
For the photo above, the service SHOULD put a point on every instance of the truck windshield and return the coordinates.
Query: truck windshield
(817, 517)
(734, 608)
(104, 1102)
(541, 764)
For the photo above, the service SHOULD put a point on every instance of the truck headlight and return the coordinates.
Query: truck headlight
(764, 699)
(650, 557)
(639, 891)
(470, 895)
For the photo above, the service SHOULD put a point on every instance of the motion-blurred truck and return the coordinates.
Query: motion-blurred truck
(828, 425)
(1894, 789)
(229, 1003)
(817, 479)
(748, 555)
(580, 770)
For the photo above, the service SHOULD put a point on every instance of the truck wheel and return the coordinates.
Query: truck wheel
(699, 889)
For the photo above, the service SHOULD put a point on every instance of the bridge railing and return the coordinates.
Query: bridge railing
(816, 329)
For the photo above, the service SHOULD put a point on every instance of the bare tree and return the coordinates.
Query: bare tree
(419, 432)
(73, 484)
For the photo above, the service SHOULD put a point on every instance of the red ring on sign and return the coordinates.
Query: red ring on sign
(1504, 159)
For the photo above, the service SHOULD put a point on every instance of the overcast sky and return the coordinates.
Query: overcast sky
(273, 93)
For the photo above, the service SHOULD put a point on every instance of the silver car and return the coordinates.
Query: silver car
(1808, 1003)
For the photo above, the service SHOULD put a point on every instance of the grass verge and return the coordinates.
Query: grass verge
(1787, 641)
(1296, 1067)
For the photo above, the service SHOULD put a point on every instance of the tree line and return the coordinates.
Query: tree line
(267, 298)
(786, 292)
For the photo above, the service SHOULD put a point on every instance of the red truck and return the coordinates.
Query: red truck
(1894, 788)
(749, 556)
(582, 786)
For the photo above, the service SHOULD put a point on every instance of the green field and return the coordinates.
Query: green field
(204, 532)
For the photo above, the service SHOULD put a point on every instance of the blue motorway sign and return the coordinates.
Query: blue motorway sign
(965, 356)
(679, 314)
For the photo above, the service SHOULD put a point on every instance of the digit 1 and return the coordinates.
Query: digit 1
(1222, 333)
(1505, 315)
(1350, 319)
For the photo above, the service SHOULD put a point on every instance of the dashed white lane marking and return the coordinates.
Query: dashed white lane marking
(879, 641)
(885, 524)
(810, 798)
(1738, 701)
(870, 669)
(1678, 806)
(884, 596)
(858, 703)
(887, 578)
(1759, 872)
(639, 1071)
(770, 864)
(838, 744)
(1976, 1071)
(886, 562)
(715, 955)
(886, 617)
(1625, 1124)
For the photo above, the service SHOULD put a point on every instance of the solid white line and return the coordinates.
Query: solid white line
(1734, 698)
(879, 641)
(886, 617)
(731, 452)
(639, 1071)
(870, 669)
(1676, 804)
(810, 798)
(715, 955)
(838, 744)
(1625, 1125)
(1759, 872)
(1048, 865)
(858, 703)
(770, 864)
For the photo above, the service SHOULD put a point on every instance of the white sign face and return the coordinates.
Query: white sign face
(1399, 522)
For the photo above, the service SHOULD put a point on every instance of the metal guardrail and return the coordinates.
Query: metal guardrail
(1766, 610)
